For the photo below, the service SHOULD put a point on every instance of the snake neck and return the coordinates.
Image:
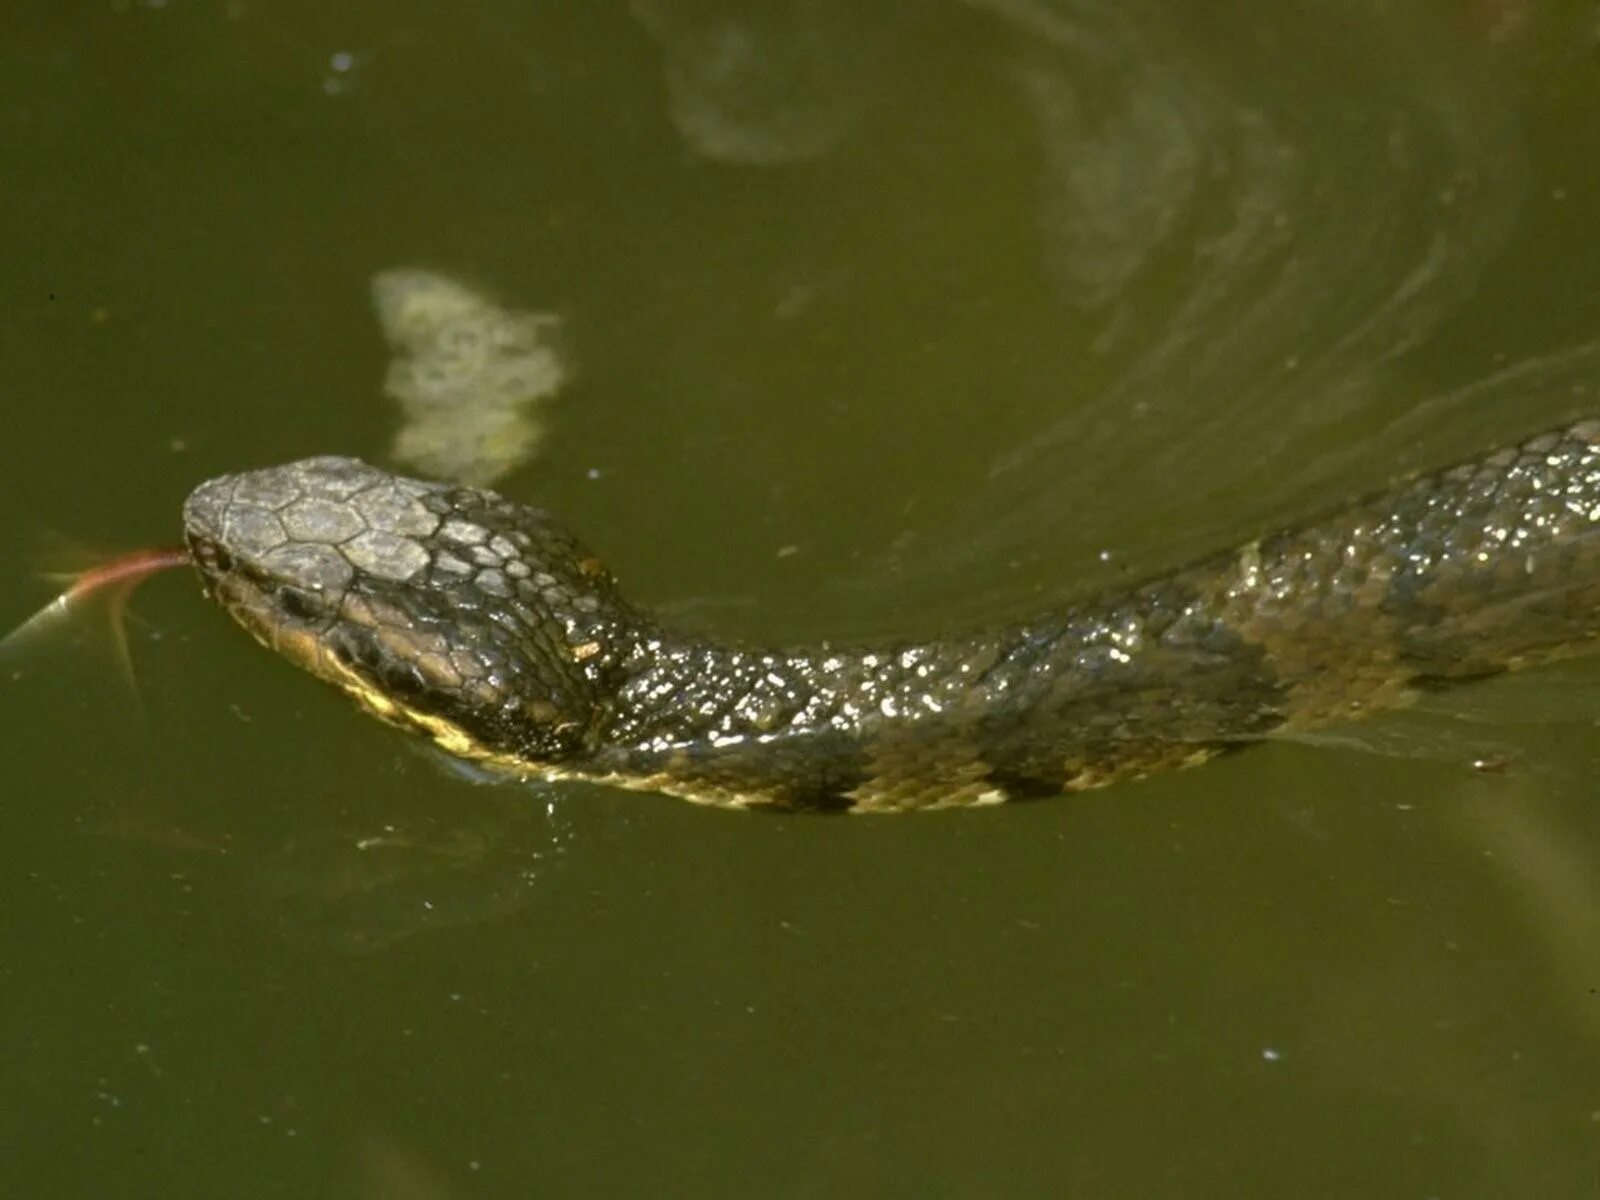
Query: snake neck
(798, 727)
(1074, 699)
(679, 692)
(1449, 577)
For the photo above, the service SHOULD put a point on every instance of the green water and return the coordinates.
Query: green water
(883, 318)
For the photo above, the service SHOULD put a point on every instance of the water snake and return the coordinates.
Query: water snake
(482, 624)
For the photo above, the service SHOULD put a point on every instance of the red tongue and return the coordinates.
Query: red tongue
(118, 576)
(129, 569)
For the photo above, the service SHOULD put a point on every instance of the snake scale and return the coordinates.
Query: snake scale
(482, 624)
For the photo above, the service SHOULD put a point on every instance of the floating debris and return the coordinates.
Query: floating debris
(468, 375)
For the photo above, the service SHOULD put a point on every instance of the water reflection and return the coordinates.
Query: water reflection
(371, 878)
(1248, 237)
(1246, 230)
(762, 85)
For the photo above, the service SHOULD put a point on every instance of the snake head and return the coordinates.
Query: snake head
(447, 610)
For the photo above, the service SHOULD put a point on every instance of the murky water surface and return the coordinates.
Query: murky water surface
(883, 318)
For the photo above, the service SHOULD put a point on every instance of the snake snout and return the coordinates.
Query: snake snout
(205, 509)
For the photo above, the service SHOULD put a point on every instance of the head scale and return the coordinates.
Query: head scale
(443, 609)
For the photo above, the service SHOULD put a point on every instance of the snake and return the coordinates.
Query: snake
(483, 625)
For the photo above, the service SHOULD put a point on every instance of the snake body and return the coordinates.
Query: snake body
(482, 624)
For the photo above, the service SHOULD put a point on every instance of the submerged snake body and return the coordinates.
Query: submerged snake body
(482, 624)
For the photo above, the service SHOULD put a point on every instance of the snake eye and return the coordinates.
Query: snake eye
(297, 604)
(402, 679)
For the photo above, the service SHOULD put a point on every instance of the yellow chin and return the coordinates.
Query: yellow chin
(302, 645)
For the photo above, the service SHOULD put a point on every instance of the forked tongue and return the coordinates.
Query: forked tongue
(112, 581)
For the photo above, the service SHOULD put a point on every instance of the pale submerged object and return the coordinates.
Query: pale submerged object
(469, 375)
